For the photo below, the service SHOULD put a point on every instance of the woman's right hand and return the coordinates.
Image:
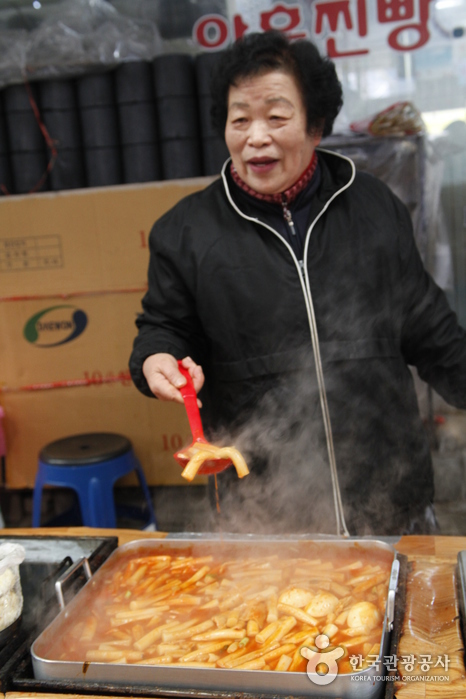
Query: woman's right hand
(164, 378)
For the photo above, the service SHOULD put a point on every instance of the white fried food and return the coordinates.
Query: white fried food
(363, 616)
(209, 451)
(296, 597)
(7, 581)
(322, 604)
(10, 608)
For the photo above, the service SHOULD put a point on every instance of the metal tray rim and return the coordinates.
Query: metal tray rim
(216, 678)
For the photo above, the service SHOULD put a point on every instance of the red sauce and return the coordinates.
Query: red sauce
(160, 606)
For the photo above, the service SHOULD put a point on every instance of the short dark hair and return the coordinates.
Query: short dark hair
(262, 52)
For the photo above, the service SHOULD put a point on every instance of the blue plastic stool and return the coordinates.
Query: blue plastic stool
(90, 464)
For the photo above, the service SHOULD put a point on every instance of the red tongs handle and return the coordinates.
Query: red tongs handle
(192, 409)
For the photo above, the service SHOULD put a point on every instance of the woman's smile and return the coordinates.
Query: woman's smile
(261, 165)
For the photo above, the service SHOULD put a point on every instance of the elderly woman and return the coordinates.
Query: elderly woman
(293, 291)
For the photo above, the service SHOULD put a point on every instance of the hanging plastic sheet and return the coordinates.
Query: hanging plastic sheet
(72, 37)
(412, 166)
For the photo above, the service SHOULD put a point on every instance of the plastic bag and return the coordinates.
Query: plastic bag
(11, 596)
(430, 644)
(73, 37)
(400, 119)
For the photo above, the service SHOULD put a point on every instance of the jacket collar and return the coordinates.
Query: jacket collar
(338, 172)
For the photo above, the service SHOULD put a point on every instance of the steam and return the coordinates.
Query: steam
(378, 439)
(289, 488)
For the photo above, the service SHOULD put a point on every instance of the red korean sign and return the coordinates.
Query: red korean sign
(327, 21)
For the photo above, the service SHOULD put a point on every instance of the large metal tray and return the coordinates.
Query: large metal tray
(364, 684)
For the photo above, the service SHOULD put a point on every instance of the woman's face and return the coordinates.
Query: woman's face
(266, 132)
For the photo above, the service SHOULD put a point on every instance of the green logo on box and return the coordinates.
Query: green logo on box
(50, 329)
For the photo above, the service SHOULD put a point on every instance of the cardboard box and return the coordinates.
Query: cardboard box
(81, 241)
(66, 339)
(73, 270)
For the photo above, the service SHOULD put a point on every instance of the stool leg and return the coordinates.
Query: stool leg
(100, 506)
(37, 498)
(145, 490)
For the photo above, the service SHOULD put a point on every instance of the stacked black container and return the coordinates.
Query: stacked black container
(141, 122)
(214, 150)
(100, 132)
(176, 98)
(135, 97)
(60, 115)
(27, 147)
(5, 175)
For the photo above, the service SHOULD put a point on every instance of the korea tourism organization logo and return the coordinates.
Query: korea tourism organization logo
(55, 326)
(322, 666)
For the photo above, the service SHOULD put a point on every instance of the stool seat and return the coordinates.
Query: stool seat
(90, 464)
(81, 449)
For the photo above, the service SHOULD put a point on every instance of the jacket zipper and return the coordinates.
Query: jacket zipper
(287, 216)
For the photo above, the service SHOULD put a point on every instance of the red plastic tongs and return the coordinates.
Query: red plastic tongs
(188, 392)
